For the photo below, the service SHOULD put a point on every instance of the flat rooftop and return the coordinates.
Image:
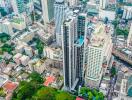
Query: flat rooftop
(99, 35)
(3, 79)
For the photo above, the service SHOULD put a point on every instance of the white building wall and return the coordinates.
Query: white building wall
(72, 2)
(59, 16)
(110, 14)
(103, 4)
(14, 6)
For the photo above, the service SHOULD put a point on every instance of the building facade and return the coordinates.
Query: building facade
(59, 16)
(73, 51)
(103, 4)
(127, 13)
(48, 10)
(129, 39)
(99, 48)
(18, 6)
(72, 2)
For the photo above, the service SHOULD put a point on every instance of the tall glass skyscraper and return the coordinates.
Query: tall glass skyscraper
(73, 50)
(18, 6)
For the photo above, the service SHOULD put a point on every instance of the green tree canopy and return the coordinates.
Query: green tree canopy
(64, 96)
(36, 77)
(45, 93)
(115, 23)
(24, 91)
(113, 71)
(90, 95)
(123, 32)
(4, 37)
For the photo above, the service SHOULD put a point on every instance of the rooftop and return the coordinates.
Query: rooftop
(49, 80)
(99, 35)
(10, 86)
(3, 79)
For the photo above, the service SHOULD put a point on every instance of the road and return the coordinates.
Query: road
(111, 87)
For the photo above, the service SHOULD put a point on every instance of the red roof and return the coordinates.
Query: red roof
(10, 86)
(78, 98)
(49, 80)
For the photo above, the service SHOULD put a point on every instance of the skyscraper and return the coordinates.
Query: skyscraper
(73, 50)
(103, 4)
(48, 10)
(72, 2)
(59, 16)
(18, 6)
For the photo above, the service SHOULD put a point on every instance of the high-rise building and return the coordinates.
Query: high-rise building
(129, 39)
(73, 50)
(127, 13)
(59, 16)
(6, 5)
(18, 6)
(6, 27)
(98, 54)
(47, 10)
(103, 4)
(72, 2)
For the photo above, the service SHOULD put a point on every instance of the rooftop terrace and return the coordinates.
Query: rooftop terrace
(99, 35)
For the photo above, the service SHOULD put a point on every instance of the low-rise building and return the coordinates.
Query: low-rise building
(3, 79)
(46, 37)
(24, 60)
(109, 14)
(28, 51)
(53, 52)
(18, 22)
(17, 57)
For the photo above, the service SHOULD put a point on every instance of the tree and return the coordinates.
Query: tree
(97, 97)
(32, 17)
(4, 37)
(7, 48)
(2, 93)
(84, 91)
(123, 32)
(113, 71)
(64, 96)
(90, 95)
(1, 52)
(115, 23)
(95, 92)
(101, 96)
(40, 46)
(36, 77)
(45, 93)
(24, 91)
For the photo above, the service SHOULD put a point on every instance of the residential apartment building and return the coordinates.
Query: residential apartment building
(98, 54)
(73, 31)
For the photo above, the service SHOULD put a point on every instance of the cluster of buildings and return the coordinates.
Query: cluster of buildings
(75, 36)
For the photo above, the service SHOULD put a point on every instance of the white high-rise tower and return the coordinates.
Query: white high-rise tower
(47, 10)
(59, 16)
(103, 4)
(72, 2)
